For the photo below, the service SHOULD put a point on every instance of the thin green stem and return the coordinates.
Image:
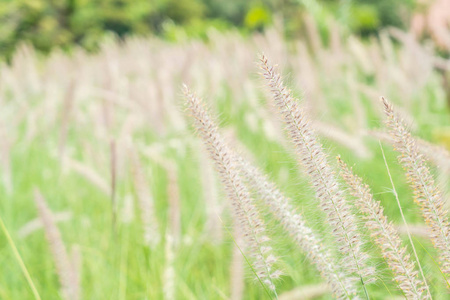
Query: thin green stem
(404, 221)
(248, 262)
(20, 261)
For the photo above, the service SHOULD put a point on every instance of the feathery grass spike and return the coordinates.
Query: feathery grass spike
(426, 193)
(65, 268)
(385, 235)
(328, 266)
(244, 210)
(146, 203)
(312, 156)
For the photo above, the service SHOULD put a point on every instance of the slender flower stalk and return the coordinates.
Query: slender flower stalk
(313, 158)
(394, 191)
(66, 270)
(173, 199)
(385, 235)
(341, 286)
(146, 203)
(426, 193)
(212, 201)
(438, 155)
(237, 282)
(19, 260)
(169, 275)
(244, 210)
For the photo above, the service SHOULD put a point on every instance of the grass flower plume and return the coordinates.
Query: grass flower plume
(244, 210)
(314, 160)
(426, 193)
(329, 267)
(385, 235)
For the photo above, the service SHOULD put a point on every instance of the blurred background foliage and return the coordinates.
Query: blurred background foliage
(63, 23)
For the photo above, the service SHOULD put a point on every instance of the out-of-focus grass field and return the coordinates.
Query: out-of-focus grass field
(74, 127)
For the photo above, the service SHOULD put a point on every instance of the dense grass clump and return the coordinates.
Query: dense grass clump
(111, 188)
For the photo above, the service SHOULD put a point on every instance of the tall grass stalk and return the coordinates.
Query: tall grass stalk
(385, 234)
(405, 223)
(244, 210)
(145, 199)
(237, 282)
(64, 266)
(20, 261)
(313, 158)
(427, 194)
(329, 267)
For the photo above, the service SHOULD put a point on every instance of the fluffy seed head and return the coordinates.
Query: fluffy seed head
(244, 210)
(329, 267)
(385, 235)
(313, 158)
(426, 193)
